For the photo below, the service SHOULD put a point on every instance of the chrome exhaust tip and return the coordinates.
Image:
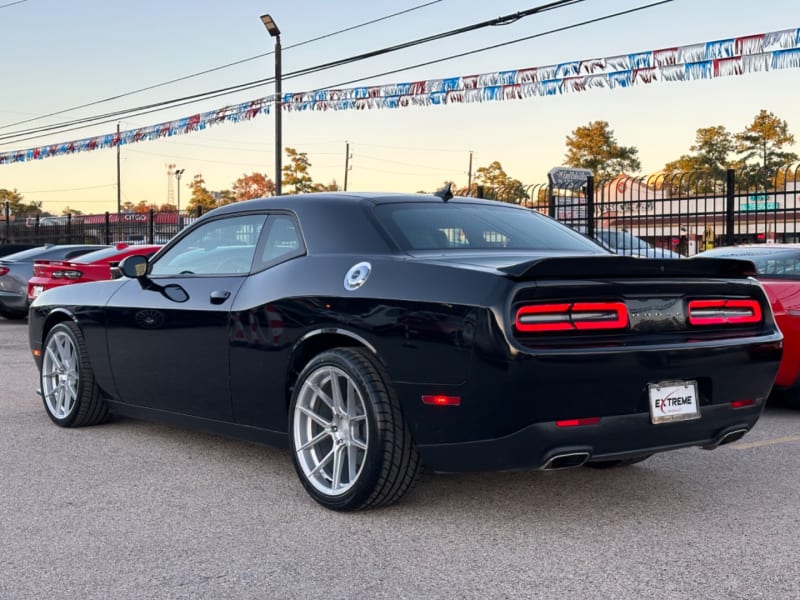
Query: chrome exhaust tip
(732, 436)
(568, 460)
(727, 438)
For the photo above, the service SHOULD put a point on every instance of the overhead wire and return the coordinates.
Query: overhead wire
(154, 107)
(218, 68)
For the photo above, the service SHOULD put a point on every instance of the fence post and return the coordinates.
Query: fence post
(69, 228)
(7, 214)
(151, 227)
(108, 228)
(199, 210)
(551, 198)
(730, 208)
(479, 191)
(590, 205)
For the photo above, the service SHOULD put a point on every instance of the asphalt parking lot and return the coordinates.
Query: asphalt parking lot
(137, 510)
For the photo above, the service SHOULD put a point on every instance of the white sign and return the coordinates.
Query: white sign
(567, 177)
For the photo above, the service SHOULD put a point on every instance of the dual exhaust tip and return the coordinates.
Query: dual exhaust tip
(569, 460)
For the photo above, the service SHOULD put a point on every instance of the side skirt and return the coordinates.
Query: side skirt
(279, 439)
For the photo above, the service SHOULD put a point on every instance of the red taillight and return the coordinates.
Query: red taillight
(3, 271)
(569, 316)
(440, 400)
(742, 403)
(724, 312)
(578, 422)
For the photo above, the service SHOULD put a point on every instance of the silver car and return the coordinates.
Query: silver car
(17, 268)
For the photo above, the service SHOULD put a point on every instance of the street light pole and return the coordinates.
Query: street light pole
(178, 173)
(273, 30)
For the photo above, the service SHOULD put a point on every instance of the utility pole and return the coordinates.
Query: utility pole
(469, 175)
(347, 158)
(119, 187)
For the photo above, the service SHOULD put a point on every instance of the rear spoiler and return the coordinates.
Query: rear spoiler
(628, 266)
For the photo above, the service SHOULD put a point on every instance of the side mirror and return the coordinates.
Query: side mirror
(134, 266)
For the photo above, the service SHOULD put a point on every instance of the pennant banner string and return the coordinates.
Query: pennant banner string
(722, 58)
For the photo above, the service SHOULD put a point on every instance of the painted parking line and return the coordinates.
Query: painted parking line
(769, 442)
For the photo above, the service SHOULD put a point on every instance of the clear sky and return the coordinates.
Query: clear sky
(58, 54)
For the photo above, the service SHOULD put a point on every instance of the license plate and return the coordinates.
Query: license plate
(672, 401)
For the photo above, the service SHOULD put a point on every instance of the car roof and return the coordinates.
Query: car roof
(305, 201)
(751, 249)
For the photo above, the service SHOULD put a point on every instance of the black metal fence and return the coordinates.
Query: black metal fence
(683, 212)
(151, 227)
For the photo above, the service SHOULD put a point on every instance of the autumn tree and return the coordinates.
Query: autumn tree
(327, 187)
(16, 205)
(225, 197)
(594, 147)
(296, 172)
(255, 185)
(200, 195)
(762, 142)
(70, 211)
(498, 185)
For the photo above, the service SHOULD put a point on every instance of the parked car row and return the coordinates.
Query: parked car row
(27, 273)
(373, 334)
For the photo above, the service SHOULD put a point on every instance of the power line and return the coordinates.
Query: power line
(214, 69)
(504, 20)
(12, 3)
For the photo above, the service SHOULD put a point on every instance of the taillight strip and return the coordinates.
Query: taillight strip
(724, 312)
(572, 316)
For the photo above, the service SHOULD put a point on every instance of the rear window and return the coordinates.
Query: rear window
(464, 226)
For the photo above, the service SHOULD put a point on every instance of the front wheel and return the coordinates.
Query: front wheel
(71, 396)
(350, 444)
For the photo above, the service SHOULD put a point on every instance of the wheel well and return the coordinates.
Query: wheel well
(53, 319)
(309, 348)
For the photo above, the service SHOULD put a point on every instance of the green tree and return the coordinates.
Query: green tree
(225, 197)
(497, 184)
(296, 172)
(200, 195)
(594, 147)
(255, 185)
(762, 142)
(705, 168)
(16, 205)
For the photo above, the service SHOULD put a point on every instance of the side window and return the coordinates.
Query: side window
(221, 247)
(281, 241)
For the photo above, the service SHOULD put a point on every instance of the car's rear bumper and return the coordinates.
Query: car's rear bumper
(541, 444)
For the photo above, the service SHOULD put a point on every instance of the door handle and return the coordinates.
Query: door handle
(219, 296)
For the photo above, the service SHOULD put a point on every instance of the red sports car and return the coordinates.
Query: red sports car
(94, 266)
(778, 270)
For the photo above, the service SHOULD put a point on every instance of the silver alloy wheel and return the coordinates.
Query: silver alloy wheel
(331, 431)
(60, 375)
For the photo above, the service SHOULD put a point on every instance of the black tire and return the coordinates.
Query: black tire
(367, 439)
(613, 464)
(70, 395)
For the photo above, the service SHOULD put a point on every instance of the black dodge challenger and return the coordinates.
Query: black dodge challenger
(377, 333)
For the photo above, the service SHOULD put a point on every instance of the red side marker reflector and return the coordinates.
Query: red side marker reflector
(439, 400)
(37, 352)
(742, 403)
(578, 422)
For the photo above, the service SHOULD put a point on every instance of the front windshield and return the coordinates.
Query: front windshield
(467, 226)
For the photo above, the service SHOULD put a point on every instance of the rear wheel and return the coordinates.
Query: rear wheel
(350, 445)
(71, 396)
(613, 464)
